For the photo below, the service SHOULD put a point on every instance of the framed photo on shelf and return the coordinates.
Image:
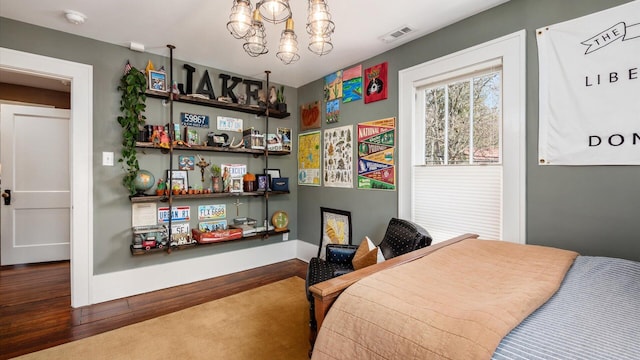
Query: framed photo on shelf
(157, 80)
(262, 182)
(271, 174)
(236, 185)
(179, 178)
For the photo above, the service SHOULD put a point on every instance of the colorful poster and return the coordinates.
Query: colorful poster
(377, 154)
(375, 78)
(589, 86)
(310, 116)
(333, 86)
(333, 111)
(309, 158)
(352, 84)
(338, 157)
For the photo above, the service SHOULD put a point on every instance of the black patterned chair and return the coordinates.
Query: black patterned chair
(401, 237)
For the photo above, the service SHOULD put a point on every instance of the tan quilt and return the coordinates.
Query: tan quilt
(457, 303)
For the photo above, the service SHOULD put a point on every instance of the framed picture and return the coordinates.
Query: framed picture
(310, 116)
(186, 162)
(157, 80)
(262, 182)
(336, 228)
(375, 79)
(236, 185)
(179, 178)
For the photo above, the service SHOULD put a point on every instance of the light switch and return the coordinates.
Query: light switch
(107, 158)
(285, 236)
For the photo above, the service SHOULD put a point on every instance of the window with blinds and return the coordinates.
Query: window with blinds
(462, 120)
(462, 141)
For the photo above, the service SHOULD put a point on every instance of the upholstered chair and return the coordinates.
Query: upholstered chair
(401, 237)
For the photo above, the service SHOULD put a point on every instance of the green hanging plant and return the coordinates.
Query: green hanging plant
(132, 105)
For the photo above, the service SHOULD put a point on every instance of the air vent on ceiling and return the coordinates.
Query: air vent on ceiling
(396, 34)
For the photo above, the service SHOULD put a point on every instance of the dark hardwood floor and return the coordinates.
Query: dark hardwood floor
(36, 313)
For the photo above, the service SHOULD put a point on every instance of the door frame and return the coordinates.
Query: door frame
(80, 158)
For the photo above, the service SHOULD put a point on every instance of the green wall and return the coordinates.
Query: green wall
(592, 209)
(111, 206)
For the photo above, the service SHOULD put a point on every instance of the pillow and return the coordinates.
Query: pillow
(367, 254)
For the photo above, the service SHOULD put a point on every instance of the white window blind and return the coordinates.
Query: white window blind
(451, 200)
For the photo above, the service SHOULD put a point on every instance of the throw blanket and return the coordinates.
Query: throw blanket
(457, 303)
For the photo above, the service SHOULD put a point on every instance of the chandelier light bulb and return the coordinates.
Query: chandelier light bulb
(239, 24)
(256, 44)
(288, 50)
(318, 19)
(320, 45)
(274, 11)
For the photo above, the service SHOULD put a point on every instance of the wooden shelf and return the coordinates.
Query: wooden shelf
(255, 152)
(265, 234)
(163, 198)
(249, 109)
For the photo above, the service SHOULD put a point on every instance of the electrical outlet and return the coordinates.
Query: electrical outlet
(285, 236)
(107, 158)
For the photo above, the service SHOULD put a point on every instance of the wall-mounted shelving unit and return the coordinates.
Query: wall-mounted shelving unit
(249, 109)
(255, 152)
(170, 197)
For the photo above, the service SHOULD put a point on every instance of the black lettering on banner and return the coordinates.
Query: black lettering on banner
(636, 138)
(594, 137)
(633, 73)
(616, 136)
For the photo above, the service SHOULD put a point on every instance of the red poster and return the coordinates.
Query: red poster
(375, 78)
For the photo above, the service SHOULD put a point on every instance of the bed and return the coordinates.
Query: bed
(480, 299)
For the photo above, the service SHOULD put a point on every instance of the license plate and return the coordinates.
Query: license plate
(206, 212)
(180, 228)
(179, 213)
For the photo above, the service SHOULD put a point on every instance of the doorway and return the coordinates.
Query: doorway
(80, 160)
(34, 152)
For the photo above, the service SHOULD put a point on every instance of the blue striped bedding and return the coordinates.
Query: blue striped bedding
(594, 315)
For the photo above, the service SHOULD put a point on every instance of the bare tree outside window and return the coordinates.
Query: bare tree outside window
(463, 122)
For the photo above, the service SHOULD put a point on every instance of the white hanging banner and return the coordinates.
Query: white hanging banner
(590, 89)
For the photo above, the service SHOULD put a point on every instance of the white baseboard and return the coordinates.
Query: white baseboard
(305, 251)
(126, 283)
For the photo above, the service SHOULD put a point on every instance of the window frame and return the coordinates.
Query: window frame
(511, 50)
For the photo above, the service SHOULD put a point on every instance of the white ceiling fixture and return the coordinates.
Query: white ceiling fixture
(74, 17)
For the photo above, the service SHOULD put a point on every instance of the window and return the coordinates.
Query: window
(458, 173)
(462, 121)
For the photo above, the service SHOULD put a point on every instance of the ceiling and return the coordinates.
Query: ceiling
(198, 30)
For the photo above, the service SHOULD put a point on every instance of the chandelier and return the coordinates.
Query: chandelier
(247, 23)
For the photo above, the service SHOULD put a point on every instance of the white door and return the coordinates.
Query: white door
(34, 154)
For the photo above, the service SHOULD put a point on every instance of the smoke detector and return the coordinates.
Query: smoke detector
(75, 17)
(396, 34)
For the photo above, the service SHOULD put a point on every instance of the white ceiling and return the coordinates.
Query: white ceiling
(198, 29)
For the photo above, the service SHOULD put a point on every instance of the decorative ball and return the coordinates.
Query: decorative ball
(144, 181)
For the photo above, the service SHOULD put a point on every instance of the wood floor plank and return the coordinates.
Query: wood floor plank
(36, 313)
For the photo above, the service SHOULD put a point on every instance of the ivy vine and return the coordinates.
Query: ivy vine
(132, 105)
